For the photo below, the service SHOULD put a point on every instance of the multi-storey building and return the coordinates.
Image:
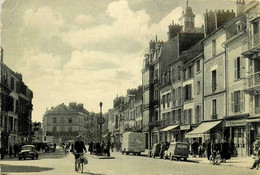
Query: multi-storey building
(251, 52)
(63, 123)
(192, 60)
(16, 107)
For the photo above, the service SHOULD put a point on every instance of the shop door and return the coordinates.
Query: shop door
(240, 141)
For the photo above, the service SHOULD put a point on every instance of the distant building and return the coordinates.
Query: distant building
(37, 133)
(63, 123)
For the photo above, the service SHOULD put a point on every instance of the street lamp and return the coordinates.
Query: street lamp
(100, 120)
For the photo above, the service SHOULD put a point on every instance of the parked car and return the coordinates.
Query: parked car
(177, 150)
(49, 147)
(28, 151)
(155, 151)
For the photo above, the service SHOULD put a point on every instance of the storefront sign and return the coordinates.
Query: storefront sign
(231, 123)
(185, 127)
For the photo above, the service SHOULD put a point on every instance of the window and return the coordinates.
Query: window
(70, 120)
(168, 99)
(214, 107)
(12, 83)
(179, 115)
(198, 87)
(189, 116)
(163, 99)
(237, 68)
(198, 65)
(213, 47)
(173, 98)
(179, 72)
(187, 92)
(237, 101)
(214, 80)
(70, 129)
(173, 75)
(190, 72)
(256, 27)
(184, 74)
(54, 120)
(54, 129)
(197, 114)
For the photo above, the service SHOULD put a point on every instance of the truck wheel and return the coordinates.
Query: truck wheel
(127, 153)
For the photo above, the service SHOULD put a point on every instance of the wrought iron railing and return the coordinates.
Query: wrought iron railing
(252, 80)
(251, 42)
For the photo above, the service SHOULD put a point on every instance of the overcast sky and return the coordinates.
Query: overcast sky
(86, 51)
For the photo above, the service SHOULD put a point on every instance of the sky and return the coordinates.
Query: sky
(86, 51)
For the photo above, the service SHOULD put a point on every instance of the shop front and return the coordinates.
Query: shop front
(253, 131)
(155, 135)
(207, 130)
(238, 135)
(170, 133)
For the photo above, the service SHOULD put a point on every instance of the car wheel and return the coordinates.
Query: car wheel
(185, 159)
(127, 153)
(24, 158)
(19, 158)
(171, 157)
(164, 157)
(36, 157)
(33, 158)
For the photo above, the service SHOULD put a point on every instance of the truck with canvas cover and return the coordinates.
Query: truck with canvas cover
(133, 142)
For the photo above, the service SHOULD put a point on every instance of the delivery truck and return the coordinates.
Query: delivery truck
(133, 142)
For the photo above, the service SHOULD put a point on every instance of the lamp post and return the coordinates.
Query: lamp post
(100, 120)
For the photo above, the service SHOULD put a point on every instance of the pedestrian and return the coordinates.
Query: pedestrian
(194, 148)
(208, 148)
(90, 148)
(10, 151)
(112, 146)
(108, 145)
(225, 153)
(201, 150)
(16, 149)
(54, 146)
(2, 151)
(257, 161)
(102, 146)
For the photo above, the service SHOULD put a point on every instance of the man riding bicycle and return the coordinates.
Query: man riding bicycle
(79, 148)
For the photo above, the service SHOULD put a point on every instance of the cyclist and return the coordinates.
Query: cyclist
(79, 147)
(216, 147)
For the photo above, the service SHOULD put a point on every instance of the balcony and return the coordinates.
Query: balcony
(155, 81)
(252, 82)
(155, 123)
(251, 45)
(214, 116)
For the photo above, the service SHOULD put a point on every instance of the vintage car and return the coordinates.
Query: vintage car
(28, 151)
(177, 150)
(155, 151)
(49, 147)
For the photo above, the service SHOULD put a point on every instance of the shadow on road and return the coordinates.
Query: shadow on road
(21, 168)
(89, 173)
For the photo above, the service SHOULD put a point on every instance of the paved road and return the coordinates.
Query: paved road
(60, 164)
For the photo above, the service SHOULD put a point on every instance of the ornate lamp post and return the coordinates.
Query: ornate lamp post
(100, 120)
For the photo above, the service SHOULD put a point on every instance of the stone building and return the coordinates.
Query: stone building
(16, 107)
(63, 123)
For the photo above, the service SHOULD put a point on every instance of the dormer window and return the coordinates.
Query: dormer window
(239, 27)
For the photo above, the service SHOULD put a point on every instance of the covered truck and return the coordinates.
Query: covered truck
(133, 142)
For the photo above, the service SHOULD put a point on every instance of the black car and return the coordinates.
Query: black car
(28, 151)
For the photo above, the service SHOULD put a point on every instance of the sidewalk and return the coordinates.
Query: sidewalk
(246, 162)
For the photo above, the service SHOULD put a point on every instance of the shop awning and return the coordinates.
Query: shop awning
(169, 128)
(253, 120)
(201, 129)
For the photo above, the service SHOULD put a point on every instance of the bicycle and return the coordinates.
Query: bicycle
(215, 160)
(80, 162)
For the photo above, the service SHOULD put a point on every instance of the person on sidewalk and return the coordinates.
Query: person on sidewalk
(224, 150)
(16, 149)
(257, 161)
(208, 148)
(2, 151)
(10, 151)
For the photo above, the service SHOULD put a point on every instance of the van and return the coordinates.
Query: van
(133, 142)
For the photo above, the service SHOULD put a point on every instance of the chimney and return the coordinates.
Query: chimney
(72, 104)
(239, 6)
(80, 106)
(2, 54)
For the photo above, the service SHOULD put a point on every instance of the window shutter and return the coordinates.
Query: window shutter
(235, 68)
(242, 67)
(242, 101)
(232, 103)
